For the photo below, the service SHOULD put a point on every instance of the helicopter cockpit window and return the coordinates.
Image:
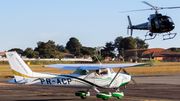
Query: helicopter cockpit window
(170, 20)
(166, 19)
(81, 72)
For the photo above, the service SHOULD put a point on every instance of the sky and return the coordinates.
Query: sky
(23, 23)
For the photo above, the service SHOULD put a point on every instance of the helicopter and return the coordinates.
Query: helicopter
(157, 24)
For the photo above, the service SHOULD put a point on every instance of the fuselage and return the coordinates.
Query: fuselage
(157, 23)
(81, 79)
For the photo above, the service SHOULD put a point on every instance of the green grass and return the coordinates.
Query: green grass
(158, 68)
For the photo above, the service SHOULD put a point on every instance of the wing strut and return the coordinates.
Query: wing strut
(115, 76)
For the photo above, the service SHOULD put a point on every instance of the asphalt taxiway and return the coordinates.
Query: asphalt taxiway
(163, 87)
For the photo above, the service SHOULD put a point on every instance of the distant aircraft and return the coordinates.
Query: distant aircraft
(86, 76)
(157, 24)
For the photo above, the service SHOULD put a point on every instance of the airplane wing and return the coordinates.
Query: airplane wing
(94, 66)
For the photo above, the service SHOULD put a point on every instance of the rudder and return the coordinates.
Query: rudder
(18, 66)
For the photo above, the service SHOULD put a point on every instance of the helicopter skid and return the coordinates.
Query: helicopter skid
(150, 36)
(169, 36)
(166, 36)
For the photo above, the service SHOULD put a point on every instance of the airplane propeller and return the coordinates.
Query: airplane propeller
(131, 76)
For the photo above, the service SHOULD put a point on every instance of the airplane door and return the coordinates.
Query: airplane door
(103, 78)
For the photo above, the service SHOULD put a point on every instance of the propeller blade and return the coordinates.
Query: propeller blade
(134, 81)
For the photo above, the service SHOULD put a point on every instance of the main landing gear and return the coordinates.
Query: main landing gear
(150, 36)
(169, 35)
(104, 95)
(166, 36)
(83, 94)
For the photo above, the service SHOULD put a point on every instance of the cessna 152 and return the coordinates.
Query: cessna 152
(86, 76)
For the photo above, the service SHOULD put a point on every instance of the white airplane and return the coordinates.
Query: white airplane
(86, 76)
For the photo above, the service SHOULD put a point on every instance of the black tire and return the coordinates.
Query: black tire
(105, 98)
(83, 97)
(119, 98)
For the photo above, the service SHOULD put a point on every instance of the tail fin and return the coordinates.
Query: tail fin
(130, 25)
(19, 67)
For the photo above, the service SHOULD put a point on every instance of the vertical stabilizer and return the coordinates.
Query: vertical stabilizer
(130, 25)
(18, 66)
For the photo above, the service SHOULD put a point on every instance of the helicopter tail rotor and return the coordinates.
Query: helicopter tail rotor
(130, 25)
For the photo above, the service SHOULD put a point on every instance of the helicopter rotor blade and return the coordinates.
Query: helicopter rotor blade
(168, 7)
(155, 8)
(127, 31)
(136, 10)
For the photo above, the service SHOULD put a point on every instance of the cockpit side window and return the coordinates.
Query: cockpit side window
(81, 72)
(103, 71)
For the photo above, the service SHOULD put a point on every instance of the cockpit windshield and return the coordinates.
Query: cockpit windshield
(165, 19)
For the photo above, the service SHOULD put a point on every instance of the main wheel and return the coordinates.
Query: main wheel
(119, 98)
(83, 97)
(105, 98)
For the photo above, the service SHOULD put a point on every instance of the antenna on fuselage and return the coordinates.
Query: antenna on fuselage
(98, 60)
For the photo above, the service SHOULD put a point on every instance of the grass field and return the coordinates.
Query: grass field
(159, 68)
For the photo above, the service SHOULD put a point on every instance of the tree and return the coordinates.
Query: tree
(128, 43)
(87, 51)
(117, 43)
(174, 49)
(30, 53)
(141, 43)
(108, 50)
(73, 45)
(46, 50)
(95, 58)
(60, 47)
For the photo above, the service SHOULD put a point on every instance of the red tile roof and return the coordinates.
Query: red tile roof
(3, 53)
(68, 54)
(165, 54)
(153, 50)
